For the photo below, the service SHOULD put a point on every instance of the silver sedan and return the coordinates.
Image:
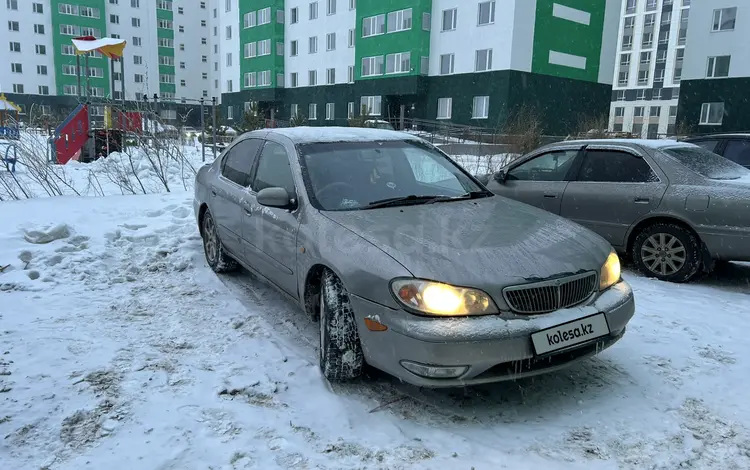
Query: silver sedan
(675, 208)
(408, 262)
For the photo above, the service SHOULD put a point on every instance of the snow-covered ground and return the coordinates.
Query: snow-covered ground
(120, 349)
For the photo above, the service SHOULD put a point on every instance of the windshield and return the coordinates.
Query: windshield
(354, 175)
(707, 163)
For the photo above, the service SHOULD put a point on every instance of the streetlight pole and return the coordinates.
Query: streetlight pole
(203, 133)
(213, 122)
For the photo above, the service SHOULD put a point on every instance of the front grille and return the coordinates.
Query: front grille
(550, 295)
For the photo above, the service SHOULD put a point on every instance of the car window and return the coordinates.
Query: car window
(738, 151)
(239, 161)
(615, 167)
(273, 169)
(709, 145)
(428, 170)
(706, 164)
(552, 166)
(351, 175)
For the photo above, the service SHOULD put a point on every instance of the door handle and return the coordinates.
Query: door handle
(642, 200)
(247, 212)
(213, 193)
(550, 195)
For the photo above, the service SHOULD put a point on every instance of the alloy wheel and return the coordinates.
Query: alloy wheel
(210, 240)
(663, 254)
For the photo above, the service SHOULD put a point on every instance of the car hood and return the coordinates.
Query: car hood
(486, 243)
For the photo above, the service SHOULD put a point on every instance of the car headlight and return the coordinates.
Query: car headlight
(435, 298)
(610, 273)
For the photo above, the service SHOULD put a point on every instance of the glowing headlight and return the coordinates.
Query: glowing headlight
(610, 274)
(434, 298)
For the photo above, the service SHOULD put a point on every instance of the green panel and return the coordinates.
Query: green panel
(561, 35)
(416, 40)
(166, 51)
(273, 31)
(58, 40)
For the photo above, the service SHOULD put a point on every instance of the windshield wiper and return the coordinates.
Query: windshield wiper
(413, 199)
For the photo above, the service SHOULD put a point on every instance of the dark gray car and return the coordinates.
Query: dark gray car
(674, 207)
(407, 261)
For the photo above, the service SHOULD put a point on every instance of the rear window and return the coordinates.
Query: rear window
(706, 163)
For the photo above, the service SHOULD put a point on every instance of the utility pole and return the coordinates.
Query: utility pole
(213, 126)
(203, 133)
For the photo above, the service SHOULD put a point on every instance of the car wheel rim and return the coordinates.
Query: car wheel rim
(210, 241)
(663, 254)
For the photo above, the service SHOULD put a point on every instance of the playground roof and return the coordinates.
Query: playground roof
(110, 47)
(6, 105)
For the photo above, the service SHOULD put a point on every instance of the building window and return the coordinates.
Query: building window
(39, 29)
(424, 65)
(718, 67)
(352, 34)
(630, 6)
(399, 20)
(293, 49)
(13, 26)
(352, 4)
(313, 45)
(330, 76)
(486, 13)
(249, 20)
(712, 114)
(293, 110)
(313, 108)
(251, 50)
(655, 111)
(445, 107)
(41, 70)
(330, 111)
(481, 107)
(446, 64)
(371, 105)
(280, 49)
(373, 25)
(294, 15)
(18, 88)
(135, 22)
(398, 63)
(137, 60)
(43, 90)
(724, 19)
(350, 75)
(331, 7)
(372, 66)
(350, 110)
(137, 41)
(37, 8)
(250, 80)
(264, 16)
(16, 68)
(449, 19)
(314, 10)
(619, 111)
(312, 77)
(331, 41)
(41, 49)
(229, 33)
(639, 111)
(483, 60)
(293, 80)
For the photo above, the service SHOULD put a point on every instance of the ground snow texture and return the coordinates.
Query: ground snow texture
(120, 349)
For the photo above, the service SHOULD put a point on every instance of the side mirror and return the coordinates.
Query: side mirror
(501, 176)
(275, 197)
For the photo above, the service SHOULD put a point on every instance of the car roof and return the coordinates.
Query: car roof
(647, 143)
(309, 135)
(718, 136)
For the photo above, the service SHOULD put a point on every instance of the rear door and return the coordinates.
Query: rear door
(614, 188)
(228, 191)
(539, 181)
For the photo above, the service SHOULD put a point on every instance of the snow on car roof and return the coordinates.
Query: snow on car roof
(308, 135)
(648, 143)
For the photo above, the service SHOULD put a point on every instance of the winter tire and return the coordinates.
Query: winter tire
(667, 252)
(341, 356)
(217, 258)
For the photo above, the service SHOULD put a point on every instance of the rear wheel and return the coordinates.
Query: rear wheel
(217, 258)
(668, 252)
(341, 356)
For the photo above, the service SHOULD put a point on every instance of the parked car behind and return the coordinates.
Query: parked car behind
(735, 147)
(408, 263)
(674, 207)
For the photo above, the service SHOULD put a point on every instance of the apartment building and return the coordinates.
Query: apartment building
(716, 72)
(650, 55)
(468, 62)
(167, 53)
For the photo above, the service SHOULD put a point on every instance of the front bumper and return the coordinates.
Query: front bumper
(494, 349)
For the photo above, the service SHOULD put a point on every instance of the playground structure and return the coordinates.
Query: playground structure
(9, 127)
(75, 138)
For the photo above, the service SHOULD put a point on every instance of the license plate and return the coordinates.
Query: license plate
(570, 334)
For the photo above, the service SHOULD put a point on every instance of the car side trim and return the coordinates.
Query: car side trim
(619, 148)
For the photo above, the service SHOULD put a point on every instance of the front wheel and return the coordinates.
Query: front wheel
(341, 356)
(668, 252)
(217, 258)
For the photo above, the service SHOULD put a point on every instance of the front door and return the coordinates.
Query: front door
(540, 181)
(270, 234)
(613, 190)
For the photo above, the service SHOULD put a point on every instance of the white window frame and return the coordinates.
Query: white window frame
(452, 64)
(711, 68)
(480, 108)
(331, 41)
(264, 16)
(375, 24)
(374, 105)
(313, 13)
(331, 76)
(705, 117)
(313, 112)
(444, 108)
(331, 7)
(330, 111)
(491, 5)
(487, 61)
(376, 66)
(399, 59)
(717, 18)
(400, 20)
(312, 46)
(454, 19)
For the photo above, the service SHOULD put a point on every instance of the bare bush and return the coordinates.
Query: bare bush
(522, 130)
(361, 120)
(593, 127)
